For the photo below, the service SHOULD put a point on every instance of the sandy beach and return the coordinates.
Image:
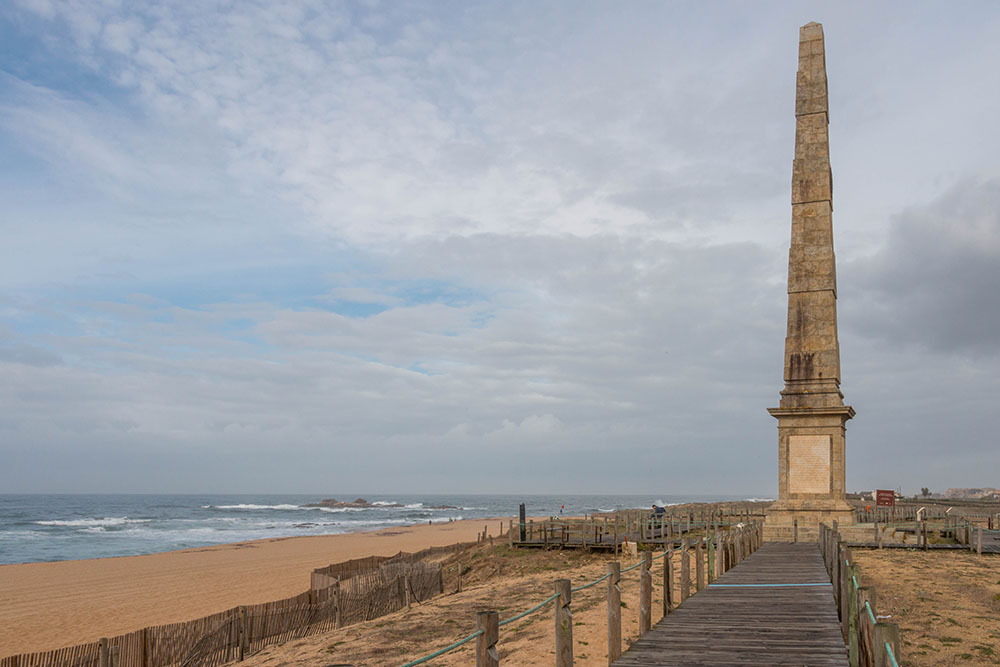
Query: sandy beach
(50, 605)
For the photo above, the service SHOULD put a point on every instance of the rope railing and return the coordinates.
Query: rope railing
(871, 614)
(890, 654)
(530, 611)
(593, 583)
(725, 551)
(451, 647)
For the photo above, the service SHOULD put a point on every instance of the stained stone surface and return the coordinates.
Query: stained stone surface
(811, 415)
(809, 463)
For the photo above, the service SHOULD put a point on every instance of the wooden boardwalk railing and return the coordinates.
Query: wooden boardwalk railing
(713, 555)
(774, 608)
(871, 642)
(611, 531)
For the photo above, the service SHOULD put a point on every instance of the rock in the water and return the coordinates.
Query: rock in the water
(357, 503)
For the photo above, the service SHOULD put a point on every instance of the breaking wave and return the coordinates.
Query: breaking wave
(93, 523)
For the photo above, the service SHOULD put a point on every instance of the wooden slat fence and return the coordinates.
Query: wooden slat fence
(369, 588)
(81, 655)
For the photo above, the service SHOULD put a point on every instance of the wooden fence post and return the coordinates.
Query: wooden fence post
(835, 577)
(564, 624)
(866, 630)
(724, 554)
(719, 553)
(406, 589)
(852, 613)
(834, 539)
(886, 633)
(711, 556)
(614, 612)
(979, 540)
(822, 545)
(102, 652)
(685, 571)
(699, 567)
(668, 581)
(645, 593)
(845, 558)
(486, 643)
(244, 650)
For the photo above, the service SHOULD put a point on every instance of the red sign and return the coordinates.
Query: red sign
(885, 498)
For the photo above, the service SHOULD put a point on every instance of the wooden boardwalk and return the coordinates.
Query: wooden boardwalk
(991, 541)
(758, 613)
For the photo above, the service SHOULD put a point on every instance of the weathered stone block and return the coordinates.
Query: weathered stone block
(809, 463)
(810, 31)
(810, 186)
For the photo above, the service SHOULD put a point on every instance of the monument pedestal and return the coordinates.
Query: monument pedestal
(782, 524)
(811, 469)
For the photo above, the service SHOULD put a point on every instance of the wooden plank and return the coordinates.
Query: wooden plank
(767, 610)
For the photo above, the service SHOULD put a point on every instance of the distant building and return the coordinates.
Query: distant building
(978, 493)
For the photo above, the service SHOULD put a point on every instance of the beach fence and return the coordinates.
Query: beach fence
(699, 562)
(339, 595)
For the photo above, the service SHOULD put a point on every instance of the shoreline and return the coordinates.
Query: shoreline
(52, 604)
(241, 543)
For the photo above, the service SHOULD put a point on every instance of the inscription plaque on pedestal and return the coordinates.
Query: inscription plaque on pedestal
(809, 464)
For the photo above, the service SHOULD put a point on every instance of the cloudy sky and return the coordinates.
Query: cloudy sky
(482, 247)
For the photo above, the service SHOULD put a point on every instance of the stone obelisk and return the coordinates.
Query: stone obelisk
(811, 415)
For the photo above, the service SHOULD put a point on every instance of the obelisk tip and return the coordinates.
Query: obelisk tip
(811, 31)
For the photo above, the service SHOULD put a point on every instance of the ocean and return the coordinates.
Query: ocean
(37, 527)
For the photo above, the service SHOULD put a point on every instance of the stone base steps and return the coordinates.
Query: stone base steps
(858, 533)
(782, 533)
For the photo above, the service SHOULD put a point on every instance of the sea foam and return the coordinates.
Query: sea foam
(92, 523)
